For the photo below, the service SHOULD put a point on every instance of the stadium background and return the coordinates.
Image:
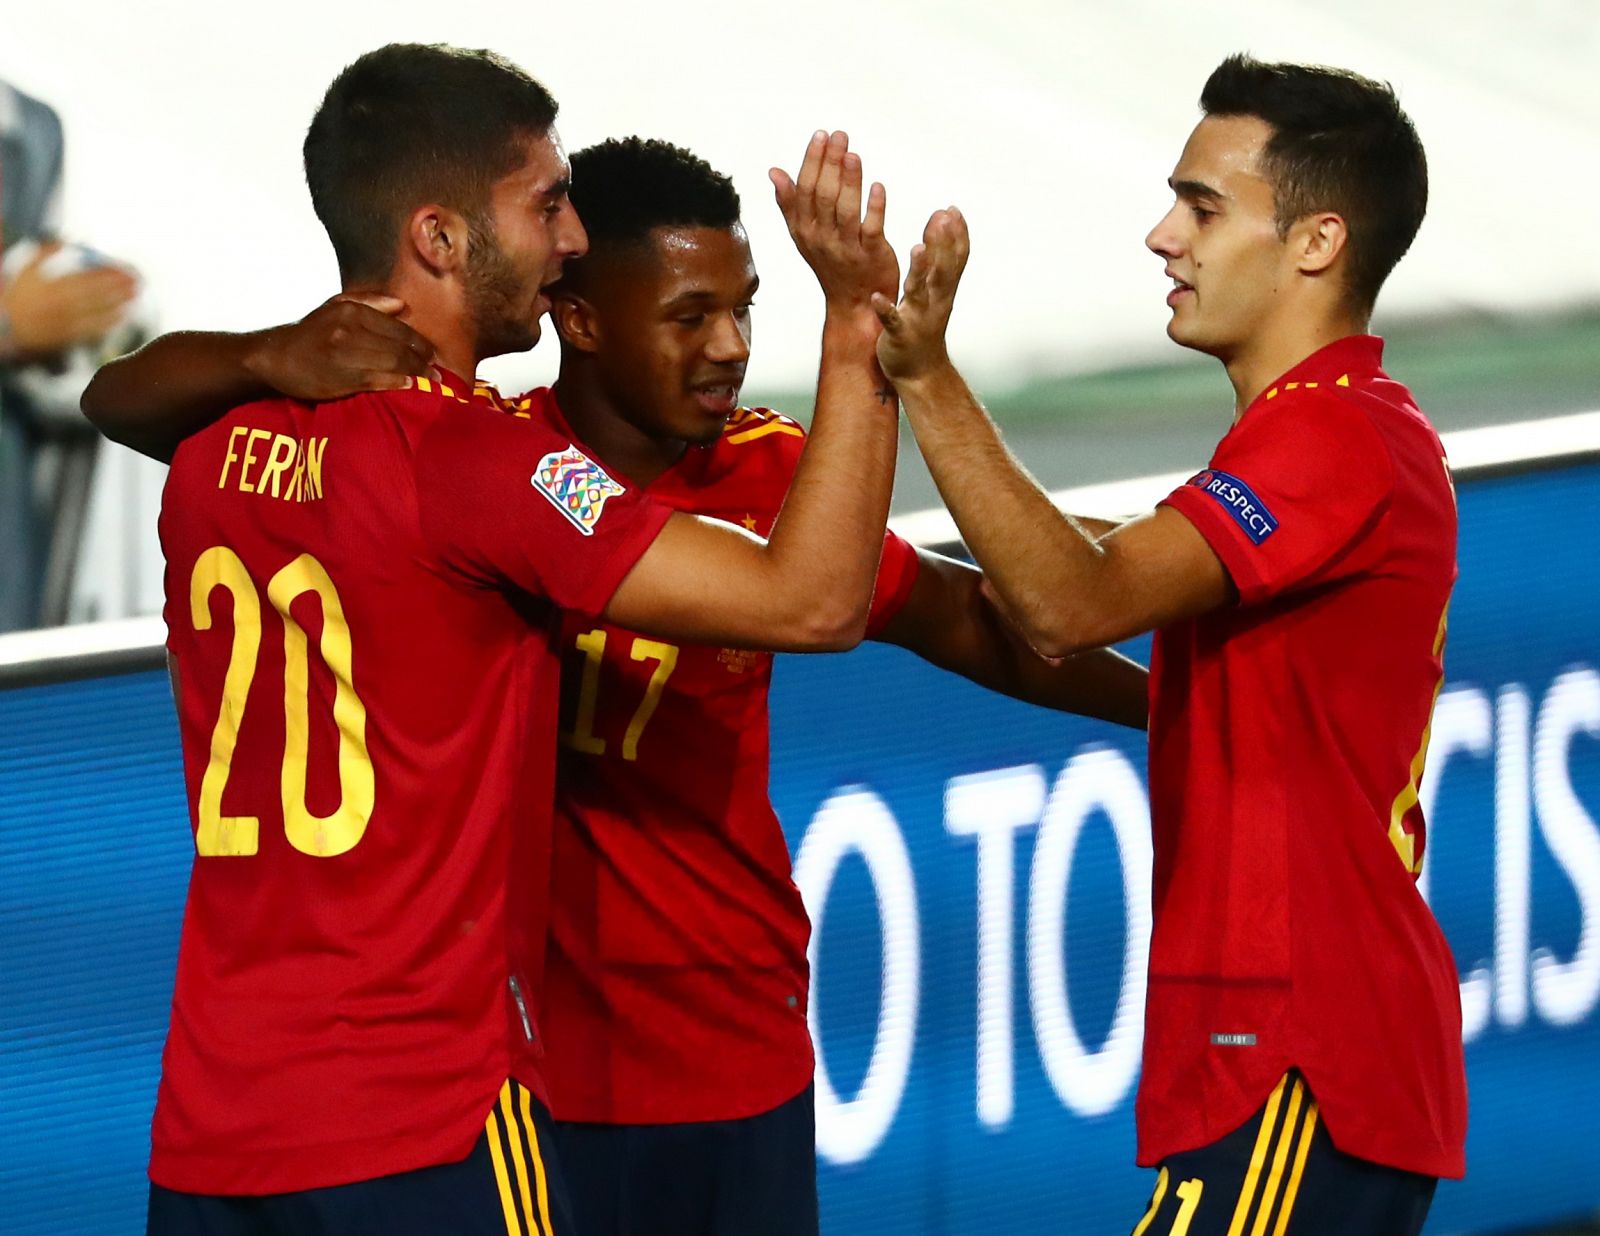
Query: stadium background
(978, 978)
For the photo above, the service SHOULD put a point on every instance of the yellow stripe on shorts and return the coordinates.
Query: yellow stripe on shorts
(509, 1115)
(538, 1162)
(502, 1178)
(1300, 1154)
(1280, 1156)
(1258, 1156)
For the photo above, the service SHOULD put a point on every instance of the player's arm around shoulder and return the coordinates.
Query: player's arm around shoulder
(950, 620)
(177, 384)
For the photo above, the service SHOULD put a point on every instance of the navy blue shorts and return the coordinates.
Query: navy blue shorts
(508, 1186)
(1280, 1174)
(710, 1178)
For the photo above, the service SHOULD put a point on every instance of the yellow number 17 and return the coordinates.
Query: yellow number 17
(581, 737)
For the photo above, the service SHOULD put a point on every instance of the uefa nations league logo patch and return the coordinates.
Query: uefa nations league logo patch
(576, 486)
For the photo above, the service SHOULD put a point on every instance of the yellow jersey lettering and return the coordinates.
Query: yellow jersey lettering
(278, 458)
(231, 456)
(297, 477)
(314, 448)
(289, 470)
(250, 458)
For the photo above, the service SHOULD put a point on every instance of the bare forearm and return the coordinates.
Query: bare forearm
(1043, 563)
(1097, 683)
(152, 399)
(826, 543)
(950, 623)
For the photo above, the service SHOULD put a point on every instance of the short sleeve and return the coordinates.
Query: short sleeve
(504, 500)
(1295, 496)
(897, 571)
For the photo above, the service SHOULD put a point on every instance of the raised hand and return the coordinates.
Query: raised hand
(913, 339)
(346, 345)
(822, 206)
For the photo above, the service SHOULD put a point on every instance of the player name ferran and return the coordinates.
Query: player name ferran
(274, 464)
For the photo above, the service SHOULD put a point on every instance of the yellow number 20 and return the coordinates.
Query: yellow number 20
(217, 835)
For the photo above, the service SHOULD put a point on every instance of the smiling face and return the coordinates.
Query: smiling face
(1229, 265)
(519, 247)
(667, 324)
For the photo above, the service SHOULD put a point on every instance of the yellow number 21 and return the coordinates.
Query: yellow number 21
(217, 835)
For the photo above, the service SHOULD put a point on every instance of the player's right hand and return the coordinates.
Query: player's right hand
(349, 344)
(913, 340)
(822, 207)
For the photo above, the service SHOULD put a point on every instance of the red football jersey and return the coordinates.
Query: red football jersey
(361, 615)
(676, 981)
(1287, 736)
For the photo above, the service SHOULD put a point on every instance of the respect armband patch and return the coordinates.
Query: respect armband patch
(1237, 498)
(576, 486)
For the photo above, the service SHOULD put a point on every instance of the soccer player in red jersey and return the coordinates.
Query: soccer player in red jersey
(1302, 1060)
(676, 988)
(362, 613)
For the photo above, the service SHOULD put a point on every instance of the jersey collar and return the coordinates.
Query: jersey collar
(453, 384)
(1352, 359)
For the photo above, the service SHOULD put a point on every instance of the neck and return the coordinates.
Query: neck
(621, 446)
(431, 312)
(1281, 346)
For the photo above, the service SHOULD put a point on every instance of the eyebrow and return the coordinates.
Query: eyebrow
(1191, 189)
(559, 189)
(701, 294)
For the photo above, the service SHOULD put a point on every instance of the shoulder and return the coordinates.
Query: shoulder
(748, 425)
(759, 439)
(1312, 427)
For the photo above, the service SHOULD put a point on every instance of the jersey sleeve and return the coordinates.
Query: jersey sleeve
(1294, 497)
(506, 501)
(897, 571)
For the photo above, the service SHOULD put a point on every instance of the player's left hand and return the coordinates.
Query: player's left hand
(348, 344)
(913, 340)
(822, 207)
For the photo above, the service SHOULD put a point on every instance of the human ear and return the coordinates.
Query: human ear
(1320, 239)
(438, 237)
(576, 321)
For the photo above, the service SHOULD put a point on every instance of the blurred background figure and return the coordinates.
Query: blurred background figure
(63, 309)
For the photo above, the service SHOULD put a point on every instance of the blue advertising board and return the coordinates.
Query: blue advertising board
(978, 872)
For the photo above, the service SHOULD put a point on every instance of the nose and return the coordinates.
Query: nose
(572, 241)
(1163, 239)
(729, 341)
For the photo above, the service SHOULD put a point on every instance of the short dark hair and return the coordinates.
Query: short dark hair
(626, 187)
(1340, 142)
(411, 123)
